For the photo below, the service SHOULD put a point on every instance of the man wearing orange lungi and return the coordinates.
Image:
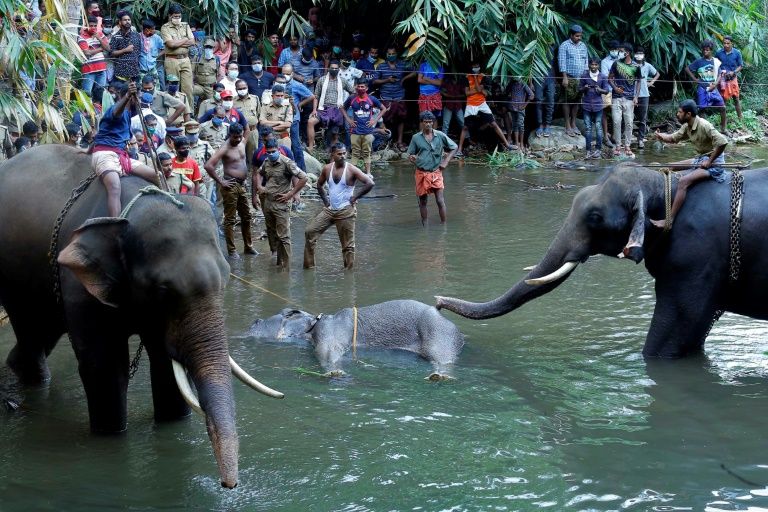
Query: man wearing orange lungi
(430, 150)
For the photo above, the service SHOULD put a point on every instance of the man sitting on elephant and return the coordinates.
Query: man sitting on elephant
(708, 143)
(110, 160)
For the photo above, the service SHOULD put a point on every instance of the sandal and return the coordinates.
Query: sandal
(539, 131)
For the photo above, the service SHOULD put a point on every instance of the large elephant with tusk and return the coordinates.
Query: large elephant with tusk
(157, 271)
(690, 263)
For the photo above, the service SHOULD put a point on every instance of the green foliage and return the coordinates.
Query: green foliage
(499, 160)
(750, 122)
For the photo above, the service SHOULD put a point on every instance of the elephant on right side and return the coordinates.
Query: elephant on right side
(690, 263)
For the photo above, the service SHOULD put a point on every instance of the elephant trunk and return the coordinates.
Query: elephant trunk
(554, 269)
(202, 349)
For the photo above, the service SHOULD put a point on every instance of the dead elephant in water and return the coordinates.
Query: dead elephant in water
(398, 324)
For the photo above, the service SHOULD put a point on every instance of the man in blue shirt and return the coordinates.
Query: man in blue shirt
(152, 47)
(731, 64)
(391, 75)
(110, 161)
(704, 73)
(300, 96)
(572, 63)
(257, 79)
(363, 121)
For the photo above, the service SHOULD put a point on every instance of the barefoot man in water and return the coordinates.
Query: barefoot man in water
(709, 145)
(430, 150)
(232, 156)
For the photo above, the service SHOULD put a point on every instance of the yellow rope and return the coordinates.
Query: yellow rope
(254, 285)
(667, 198)
(354, 332)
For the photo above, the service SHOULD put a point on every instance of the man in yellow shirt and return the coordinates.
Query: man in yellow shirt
(178, 38)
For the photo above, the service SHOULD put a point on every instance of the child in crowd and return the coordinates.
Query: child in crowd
(593, 85)
(519, 95)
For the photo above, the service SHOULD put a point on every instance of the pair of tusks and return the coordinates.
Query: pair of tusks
(563, 271)
(180, 374)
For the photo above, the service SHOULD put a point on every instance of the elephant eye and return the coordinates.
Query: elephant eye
(594, 218)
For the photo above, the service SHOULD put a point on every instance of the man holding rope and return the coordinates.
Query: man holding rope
(110, 161)
(709, 145)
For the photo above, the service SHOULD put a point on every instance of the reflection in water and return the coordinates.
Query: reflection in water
(553, 406)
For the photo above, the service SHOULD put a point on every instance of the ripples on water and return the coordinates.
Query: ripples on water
(553, 406)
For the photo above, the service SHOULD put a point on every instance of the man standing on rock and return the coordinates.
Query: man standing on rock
(340, 206)
(572, 61)
(431, 150)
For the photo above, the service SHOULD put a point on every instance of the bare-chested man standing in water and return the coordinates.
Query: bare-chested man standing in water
(232, 186)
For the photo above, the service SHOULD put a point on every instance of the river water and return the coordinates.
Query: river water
(553, 406)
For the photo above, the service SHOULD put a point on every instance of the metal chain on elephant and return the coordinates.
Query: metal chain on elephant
(53, 250)
(734, 266)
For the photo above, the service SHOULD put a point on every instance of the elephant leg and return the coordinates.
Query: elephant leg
(329, 354)
(101, 348)
(166, 398)
(35, 339)
(681, 318)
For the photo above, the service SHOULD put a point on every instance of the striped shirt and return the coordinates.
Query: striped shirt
(96, 62)
(573, 58)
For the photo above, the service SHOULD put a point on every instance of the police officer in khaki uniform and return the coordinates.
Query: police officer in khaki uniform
(213, 101)
(278, 115)
(216, 129)
(206, 68)
(274, 179)
(250, 106)
(200, 151)
(163, 104)
(172, 82)
(178, 38)
(171, 133)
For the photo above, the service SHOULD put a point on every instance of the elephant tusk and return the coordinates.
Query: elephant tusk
(528, 269)
(180, 374)
(566, 269)
(251, 382)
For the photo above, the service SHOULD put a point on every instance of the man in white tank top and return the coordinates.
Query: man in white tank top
(340, 209)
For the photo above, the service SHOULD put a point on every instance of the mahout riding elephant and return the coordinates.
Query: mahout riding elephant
(157, 272)
(396, 324)
(690, 263)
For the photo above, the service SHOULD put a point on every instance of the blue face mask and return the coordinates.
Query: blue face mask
(371, 59)
(217, 121)
(273, 157)
(199, 34)
(173, 89)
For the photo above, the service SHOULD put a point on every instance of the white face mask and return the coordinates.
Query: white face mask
(288, 78)
(242, 93)
(175, 21)
(232, 74)
(278, 101)
(614, 54)
(208, 53)
(475, 70)
(622, 55)
(227, 104)
(257, 68)
(639, 57)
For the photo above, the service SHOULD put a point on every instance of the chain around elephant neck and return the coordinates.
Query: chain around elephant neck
(734, 264)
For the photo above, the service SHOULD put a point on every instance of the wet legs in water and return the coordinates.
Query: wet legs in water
(439, 199)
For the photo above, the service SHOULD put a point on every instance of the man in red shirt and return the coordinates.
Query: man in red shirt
(93, 43)
(186, 166)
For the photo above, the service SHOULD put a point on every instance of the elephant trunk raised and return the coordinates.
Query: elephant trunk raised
(199, 343)
(554, 268)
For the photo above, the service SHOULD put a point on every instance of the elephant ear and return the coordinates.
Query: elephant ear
(634, 247)
(94, 255)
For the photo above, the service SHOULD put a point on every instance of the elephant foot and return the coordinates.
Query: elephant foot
(438, 377)
(334, 373)
(30, 372)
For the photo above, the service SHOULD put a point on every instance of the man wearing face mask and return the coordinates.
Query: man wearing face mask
(151, 48)
(292, 54)
(327, 110)
(348, 72)
(93, 9)
(183, 164)
(299, 97)
(257, 79)
(215, 130)
(125, 49)
(232, 114)
(605, 68)
(93, 44)
(390, 77)
(178, 38)
(174, 92)
(212, 102)
(206, 69)
(229, 80)
(643, 96)
(163, 104)
(145, 100)
(168, 145)
(278, 115)
(250, 106)
(200, 151)
(274, 180)
(308, 70)
(368, 64)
